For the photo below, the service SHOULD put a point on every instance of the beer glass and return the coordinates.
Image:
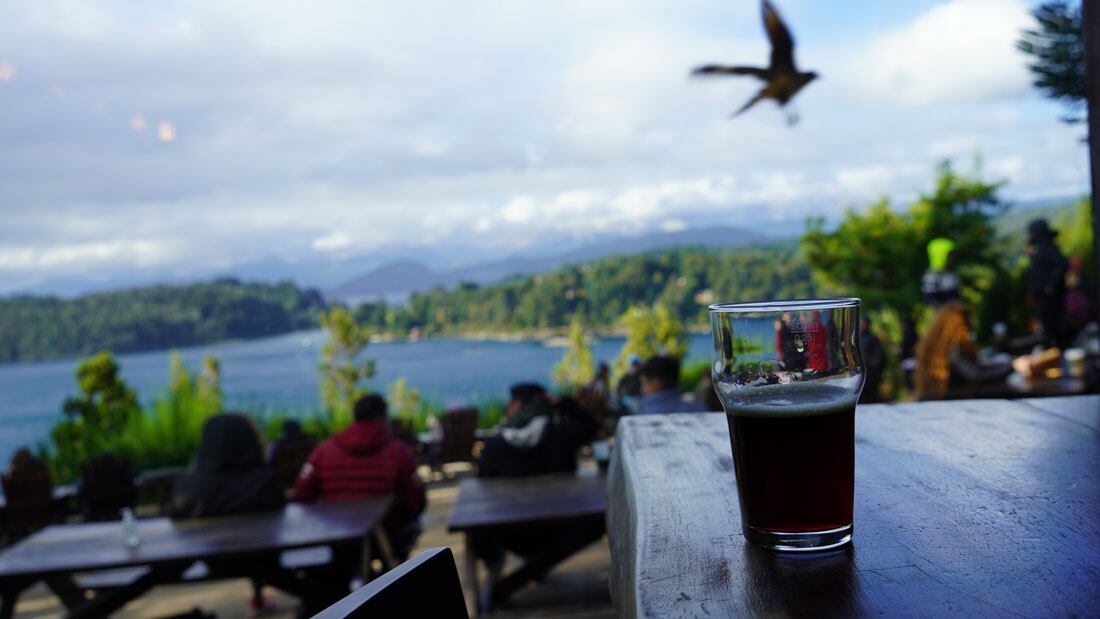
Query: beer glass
(788, 374)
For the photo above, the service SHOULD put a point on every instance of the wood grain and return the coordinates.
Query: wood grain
(962, 508)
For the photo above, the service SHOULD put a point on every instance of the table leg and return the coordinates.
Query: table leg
(473, 591)
(385, 551)
(106, 602)
(537, 566)
(9, 596)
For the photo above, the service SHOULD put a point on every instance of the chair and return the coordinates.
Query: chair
(107, 487)
(457, 444)
(29, 503)
(288, 456)
(425, 586)
(402, 430)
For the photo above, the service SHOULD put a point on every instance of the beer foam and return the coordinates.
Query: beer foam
(790, 400)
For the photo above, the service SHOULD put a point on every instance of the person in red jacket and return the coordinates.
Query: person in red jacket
(365, 460)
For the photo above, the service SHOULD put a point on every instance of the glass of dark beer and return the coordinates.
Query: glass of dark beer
(788, 374)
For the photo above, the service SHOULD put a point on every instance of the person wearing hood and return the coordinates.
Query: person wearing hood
(365, 460)
(230, 474)
(1046, 281)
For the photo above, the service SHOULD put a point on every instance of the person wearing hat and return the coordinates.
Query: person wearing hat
(940, 284)
(1046, 281)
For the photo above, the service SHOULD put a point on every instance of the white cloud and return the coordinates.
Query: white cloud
(334, 241)
(519, 210)
(959, 51)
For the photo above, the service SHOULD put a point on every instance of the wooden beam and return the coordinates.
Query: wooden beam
(1090, 17)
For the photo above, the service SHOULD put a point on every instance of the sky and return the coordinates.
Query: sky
(171, 140)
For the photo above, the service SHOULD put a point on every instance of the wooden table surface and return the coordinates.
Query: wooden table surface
(67, 548)
(968, 507)
(498, 501)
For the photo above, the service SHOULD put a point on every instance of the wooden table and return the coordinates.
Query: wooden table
(233, 546)
(964, 508)
(526, 504)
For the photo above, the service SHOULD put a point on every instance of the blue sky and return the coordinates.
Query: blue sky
(171, 140)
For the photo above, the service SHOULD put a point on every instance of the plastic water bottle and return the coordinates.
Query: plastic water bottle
(129, 529)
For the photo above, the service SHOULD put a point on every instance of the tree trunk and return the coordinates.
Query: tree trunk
(1090, 10)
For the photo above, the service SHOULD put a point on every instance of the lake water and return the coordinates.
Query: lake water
(280, 373)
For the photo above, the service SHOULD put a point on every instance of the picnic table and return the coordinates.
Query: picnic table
(244, 545)
(965, 507)
(527, 506)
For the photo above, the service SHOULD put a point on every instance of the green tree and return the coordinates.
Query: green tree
(342, 373)
(650, 332)
(879, 255)
(1057, 47)
(576, 367)
(105, 402)
(1075, 236)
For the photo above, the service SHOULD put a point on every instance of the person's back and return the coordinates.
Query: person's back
(362, 461)
(230, 475)
(660, 380)
(1046, 281)
(947, 362)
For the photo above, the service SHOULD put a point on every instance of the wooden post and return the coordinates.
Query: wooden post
(1090, 18)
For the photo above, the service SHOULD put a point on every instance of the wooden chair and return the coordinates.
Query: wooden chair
(29, 503)
(457, 444)
(425, 586)
(402, 430)
(107, 487)
(287, 459)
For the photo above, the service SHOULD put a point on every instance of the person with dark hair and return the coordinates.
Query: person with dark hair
(364, 460)
(660, 388)
(230, 474)
(629, 388)
(289, 452)
(1046, 281)
(537, 436)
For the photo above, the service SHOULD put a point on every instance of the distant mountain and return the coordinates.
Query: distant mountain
(403, 277)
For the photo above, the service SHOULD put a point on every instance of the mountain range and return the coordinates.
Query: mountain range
(397, 279)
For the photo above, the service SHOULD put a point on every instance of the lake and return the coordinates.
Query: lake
(280, 373)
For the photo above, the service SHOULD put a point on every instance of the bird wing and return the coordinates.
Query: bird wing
(715, 69)
(780, 37)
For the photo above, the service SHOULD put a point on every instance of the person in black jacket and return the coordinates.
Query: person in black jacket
(230, 474)
(1046, 281)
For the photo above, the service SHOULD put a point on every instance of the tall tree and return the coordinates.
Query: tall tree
(575, 368)
(649, 332)
(343, 374)
(1090, 17)
(1057, 48)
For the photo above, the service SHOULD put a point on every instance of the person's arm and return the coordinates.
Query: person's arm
(974, 372)
(410, 494)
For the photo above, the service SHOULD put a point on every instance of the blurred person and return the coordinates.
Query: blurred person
(594, 398)
(538, 435)
(230, 474)
(1046, 282)
(289, 452)
(25, 463)
(940, 283)
(1079, 309)
(362, 461)
(947, 359)
(660, 378)
(705, 393)
(629, 388)
(874, 361)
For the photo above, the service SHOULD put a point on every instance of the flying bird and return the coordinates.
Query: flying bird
(782, 80)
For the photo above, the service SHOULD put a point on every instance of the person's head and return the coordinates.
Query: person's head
(949, 329)
(370, 407)
(603, 371)
(229, 441)
(291, 428)
(659, 374)
(1038, 231)
(522, 394)
(23, 461)
(635, 363)
(864, 324)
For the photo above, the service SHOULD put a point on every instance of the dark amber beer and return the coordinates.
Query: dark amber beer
(789, 374)
(795, 464)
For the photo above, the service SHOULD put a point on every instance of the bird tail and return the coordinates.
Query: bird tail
(714, 69)
(751, 102)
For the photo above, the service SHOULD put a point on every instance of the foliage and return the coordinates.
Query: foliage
(1057, 47)
(879, 255)
(684, 280)
(152, 318)
(342, 374)
(1075, 236)
(691, 372)
(650, 332)
(575, 368)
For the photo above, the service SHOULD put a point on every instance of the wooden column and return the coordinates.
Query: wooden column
(1090, 17)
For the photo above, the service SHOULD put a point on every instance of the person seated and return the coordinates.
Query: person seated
(660, 378)
(230, 474)
(947, 360)
(538, 436)
(230, 477)
(629, 388)
(289, 452)
(874, 362)
(362, 461)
